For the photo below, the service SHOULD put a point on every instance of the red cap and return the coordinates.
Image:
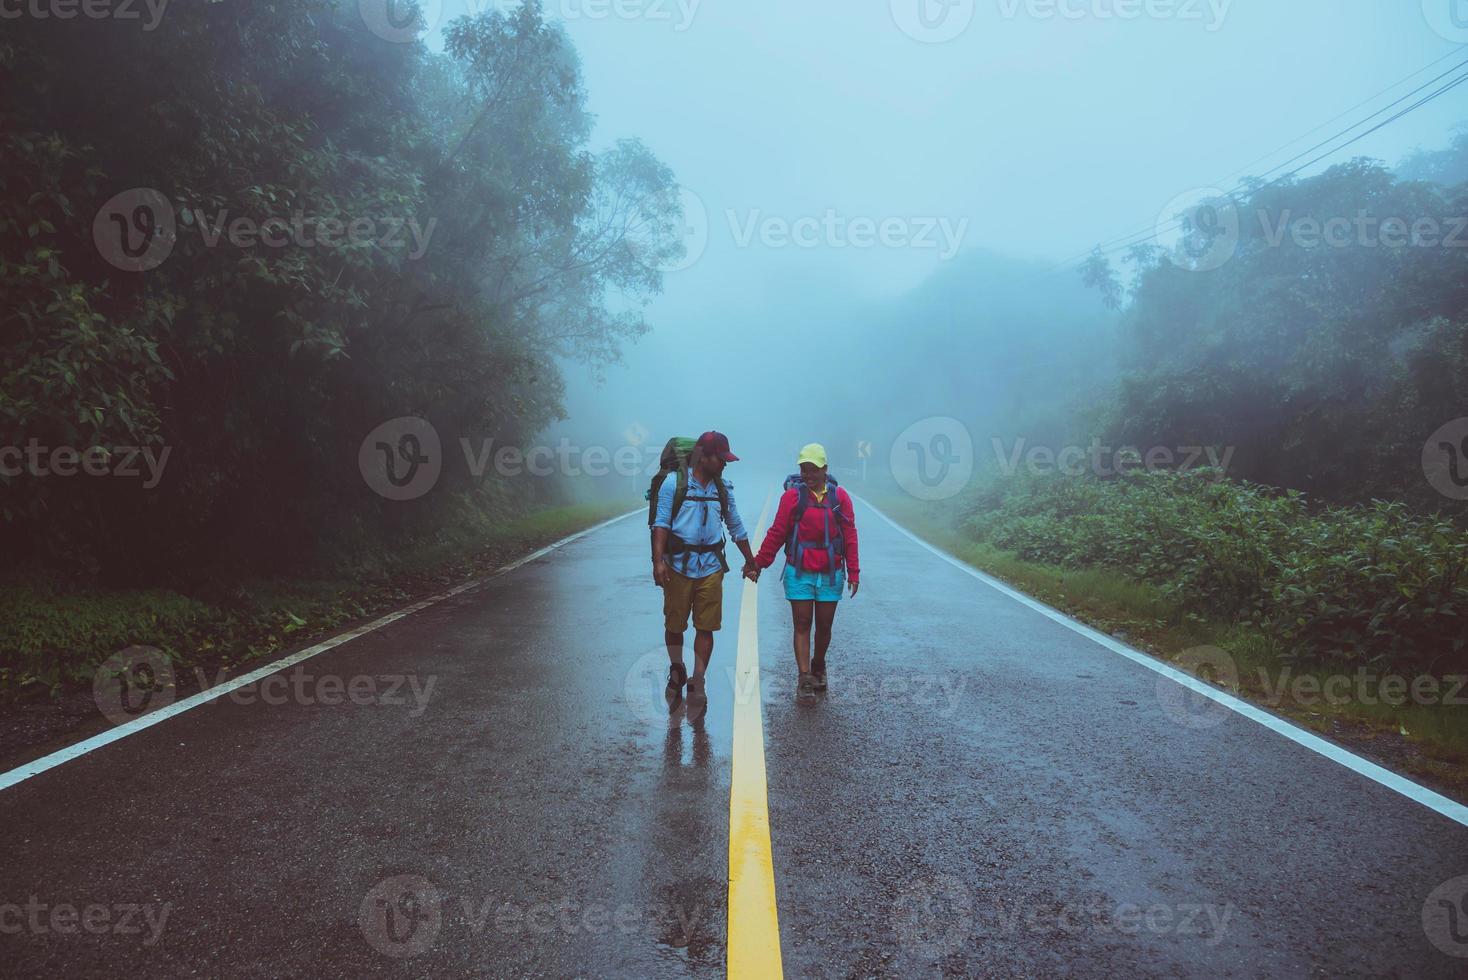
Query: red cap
(718, 444)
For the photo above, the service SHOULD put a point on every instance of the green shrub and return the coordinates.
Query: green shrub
(1367, 583)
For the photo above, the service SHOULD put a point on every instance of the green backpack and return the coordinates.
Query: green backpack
(674, 462)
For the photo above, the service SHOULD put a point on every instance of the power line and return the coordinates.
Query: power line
(1331, 152)
(1124, 241)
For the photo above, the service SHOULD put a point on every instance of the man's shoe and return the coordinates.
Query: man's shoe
(818, 671)
(677, 677)
(805, 690)
(698, 701)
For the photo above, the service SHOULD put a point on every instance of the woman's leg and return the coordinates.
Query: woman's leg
(825, 616)
(802, 614)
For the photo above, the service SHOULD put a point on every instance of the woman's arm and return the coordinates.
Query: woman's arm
(848, 536)
(779, 530)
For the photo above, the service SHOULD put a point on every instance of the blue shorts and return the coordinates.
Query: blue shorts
(820, 586)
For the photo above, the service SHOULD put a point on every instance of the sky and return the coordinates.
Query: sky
(905, 132)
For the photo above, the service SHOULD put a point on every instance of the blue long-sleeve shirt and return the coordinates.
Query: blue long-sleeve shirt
(699, 522)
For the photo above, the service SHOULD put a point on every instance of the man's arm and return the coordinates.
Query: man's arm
(738, 532)
(659, 546)
(662, 523)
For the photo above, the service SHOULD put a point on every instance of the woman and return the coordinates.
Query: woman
(817, 530)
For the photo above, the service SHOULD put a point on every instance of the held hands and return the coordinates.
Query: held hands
(751, 571)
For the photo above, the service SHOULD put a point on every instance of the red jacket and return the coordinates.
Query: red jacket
(812, 528)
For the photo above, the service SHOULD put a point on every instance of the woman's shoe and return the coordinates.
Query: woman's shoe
(818, 671)
(805, 691)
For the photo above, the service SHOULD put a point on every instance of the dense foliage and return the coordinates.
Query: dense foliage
(1342, 584)
(262, 367)
(1317, 326)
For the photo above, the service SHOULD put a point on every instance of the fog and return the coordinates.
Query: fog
(1032, 136)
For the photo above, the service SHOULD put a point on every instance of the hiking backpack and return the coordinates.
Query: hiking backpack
(674, 462)
(835, 548)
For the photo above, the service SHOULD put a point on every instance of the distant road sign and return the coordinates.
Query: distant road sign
(864, 449)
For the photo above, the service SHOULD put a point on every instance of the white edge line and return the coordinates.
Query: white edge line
(1451, 809)
(38, 766)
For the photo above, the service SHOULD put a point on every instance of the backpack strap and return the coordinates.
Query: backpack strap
(680, 491)
(676, 545)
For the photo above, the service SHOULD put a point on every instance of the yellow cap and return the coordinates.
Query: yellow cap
(814, 453)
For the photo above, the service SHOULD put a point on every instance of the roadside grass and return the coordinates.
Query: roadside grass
(53, 637)
(1428, 740)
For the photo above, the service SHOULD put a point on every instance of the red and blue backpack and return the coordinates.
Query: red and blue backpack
(833, 543)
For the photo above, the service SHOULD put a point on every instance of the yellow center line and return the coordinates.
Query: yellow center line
(754, 922)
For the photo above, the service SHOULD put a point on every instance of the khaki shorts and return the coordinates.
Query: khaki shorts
(704, 597)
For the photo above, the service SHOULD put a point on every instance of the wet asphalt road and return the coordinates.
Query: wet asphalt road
(982, 792)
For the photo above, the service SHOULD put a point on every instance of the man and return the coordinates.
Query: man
(688, 563)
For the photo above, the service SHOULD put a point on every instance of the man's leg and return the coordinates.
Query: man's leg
(677, 603)
(703, 652)
(708, 617)
(802, 614)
